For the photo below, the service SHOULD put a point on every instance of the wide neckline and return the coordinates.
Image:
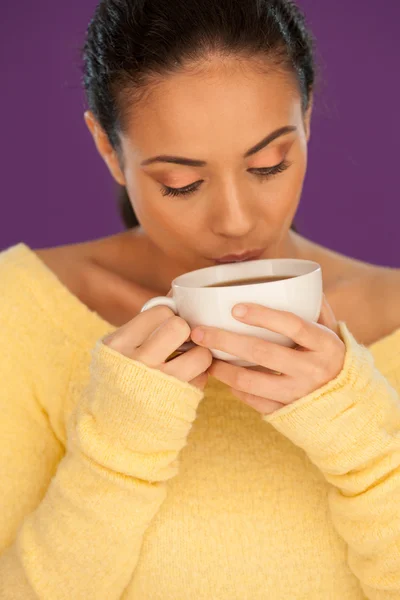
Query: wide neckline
(88, 322)
(68, 312)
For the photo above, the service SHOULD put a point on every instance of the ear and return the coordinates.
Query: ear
(307, 118)
(104, 148)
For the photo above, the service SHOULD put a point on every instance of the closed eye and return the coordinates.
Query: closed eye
(184, 191)
(264, 173)
(267, 172)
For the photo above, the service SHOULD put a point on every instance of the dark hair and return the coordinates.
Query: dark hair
(130, 43)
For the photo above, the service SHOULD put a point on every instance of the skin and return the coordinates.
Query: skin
(283, 375)
(215, 112)
(153, 336)
(234, 210)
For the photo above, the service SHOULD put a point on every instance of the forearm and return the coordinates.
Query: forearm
(349, 429)
(124, 440)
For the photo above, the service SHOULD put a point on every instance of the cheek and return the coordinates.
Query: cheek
(296, 179)
(164, 217)
(292, 181)
(282, 195)
(279, 198)
(147, 201)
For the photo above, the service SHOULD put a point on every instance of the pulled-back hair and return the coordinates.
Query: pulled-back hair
(130, 43)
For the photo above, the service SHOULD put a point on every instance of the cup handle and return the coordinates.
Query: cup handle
(170, 302)
(161, 301)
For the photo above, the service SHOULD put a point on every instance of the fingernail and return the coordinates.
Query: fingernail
(197, 334)
(239, 311)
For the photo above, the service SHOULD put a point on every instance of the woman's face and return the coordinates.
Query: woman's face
(204, 182)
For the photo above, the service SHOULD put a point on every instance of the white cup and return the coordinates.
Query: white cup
(212, 306)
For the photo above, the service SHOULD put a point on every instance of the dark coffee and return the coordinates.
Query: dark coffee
(250, 281)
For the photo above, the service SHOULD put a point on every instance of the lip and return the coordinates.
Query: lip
(235, 258)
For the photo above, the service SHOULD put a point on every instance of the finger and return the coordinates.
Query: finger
(264, 385)
(163, 342)
(200, 382)
(264, 406)
(130, 336)
(327, 316)
(252, 349)
(190, 365)
(303, 333)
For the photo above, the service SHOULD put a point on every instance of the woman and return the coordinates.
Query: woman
(120, 477)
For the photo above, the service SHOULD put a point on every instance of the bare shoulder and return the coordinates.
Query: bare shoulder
(367, 298)
(386, 285)
(100, 274)
(69, 263)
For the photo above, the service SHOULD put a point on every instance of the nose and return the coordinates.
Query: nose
(232, 214)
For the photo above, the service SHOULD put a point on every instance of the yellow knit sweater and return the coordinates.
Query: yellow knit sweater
(119, 482)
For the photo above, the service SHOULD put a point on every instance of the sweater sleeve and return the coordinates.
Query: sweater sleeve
(83, 539)
(350, 429)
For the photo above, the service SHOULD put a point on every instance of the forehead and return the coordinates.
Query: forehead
(222, 106)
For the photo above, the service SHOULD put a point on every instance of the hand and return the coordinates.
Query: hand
(152, 336)
(318, 358)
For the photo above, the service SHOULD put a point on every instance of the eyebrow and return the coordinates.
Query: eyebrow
(190, 162)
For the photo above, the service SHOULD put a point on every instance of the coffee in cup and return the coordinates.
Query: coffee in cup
(249, 281)
(207, 296)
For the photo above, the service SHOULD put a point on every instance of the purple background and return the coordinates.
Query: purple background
(56, 190)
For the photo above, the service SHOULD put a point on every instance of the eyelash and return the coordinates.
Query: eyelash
(193, 187)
